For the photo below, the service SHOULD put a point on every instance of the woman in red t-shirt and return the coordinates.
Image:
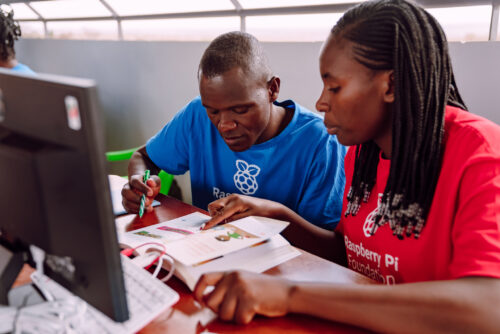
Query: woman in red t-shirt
(422, 200)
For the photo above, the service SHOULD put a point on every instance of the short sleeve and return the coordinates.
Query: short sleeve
(321, 203)
(476, 228)
(169, 149)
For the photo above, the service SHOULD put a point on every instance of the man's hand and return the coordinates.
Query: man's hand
(239, 296)
(133, 190)
(235, 207)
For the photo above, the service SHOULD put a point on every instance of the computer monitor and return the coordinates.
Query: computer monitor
(54, 190)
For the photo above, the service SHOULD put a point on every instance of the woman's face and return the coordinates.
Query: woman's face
(356, 100)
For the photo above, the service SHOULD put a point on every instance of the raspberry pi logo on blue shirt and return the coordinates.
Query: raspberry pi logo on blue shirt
(245, 178)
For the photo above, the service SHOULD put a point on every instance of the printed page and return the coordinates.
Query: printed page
(165, 232)
(257, 258)
(224, 239)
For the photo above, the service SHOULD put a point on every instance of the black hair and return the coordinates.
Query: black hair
(231, 50)
(9, 32)
(401, 36)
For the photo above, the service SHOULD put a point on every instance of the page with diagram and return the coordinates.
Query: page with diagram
(256, 256)
(223, 239)
(187, 243)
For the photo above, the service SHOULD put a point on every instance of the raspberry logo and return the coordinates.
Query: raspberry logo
(370, 220)
(244, 179)
(368, 225)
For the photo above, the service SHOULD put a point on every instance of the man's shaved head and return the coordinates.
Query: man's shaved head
(235, 49)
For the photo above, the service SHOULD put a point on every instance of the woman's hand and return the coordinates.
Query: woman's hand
(236, 207)
(240, 295)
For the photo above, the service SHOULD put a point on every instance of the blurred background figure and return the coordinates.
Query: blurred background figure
(9, 33)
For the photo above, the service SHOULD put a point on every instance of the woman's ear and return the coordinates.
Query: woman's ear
(273, 88)
(388, 78)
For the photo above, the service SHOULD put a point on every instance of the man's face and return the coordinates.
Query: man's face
(354, 98)
(238, 106)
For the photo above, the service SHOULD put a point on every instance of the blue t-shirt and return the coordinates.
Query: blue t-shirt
(21, 68)
(302, 167)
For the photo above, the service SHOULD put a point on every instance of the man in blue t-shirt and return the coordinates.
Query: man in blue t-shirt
(235, 138)
(10, 32)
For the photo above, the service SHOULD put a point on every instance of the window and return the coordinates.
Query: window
(247, 4)
(498, 24)
(70, 8)
(96, 30)
(196, 29)
(470, 23)
(21, 11)
(306, 27)
(32, 29)
(463, 23)
(144, 7)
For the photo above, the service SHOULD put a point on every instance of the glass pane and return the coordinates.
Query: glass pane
(290, 3)
(199, 29)
(83, 30)
(468, 23)
(143, 7)
(498, 31)
(21, 11)
(307, 27)
(70, 8)
(32, 30)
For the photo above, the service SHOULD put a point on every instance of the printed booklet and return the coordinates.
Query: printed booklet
(251, 243)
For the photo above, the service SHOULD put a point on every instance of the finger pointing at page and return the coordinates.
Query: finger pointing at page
(225, 209)
(239, 206)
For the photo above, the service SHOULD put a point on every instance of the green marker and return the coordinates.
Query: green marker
(143, 197)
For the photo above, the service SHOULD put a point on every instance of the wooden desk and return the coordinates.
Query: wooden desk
(187, 316)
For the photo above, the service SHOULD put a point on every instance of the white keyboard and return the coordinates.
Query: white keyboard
(147, 297)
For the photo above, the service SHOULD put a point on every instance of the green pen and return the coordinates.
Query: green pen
(143, 197)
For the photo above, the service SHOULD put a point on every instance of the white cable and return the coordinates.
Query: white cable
(172, 267)
(38, 280)
(39, 256)
(144, 262)
(158, 266)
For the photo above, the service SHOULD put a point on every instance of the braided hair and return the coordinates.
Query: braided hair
(9, 32)
(401, 36)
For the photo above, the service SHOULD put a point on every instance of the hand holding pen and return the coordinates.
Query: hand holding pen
(139, 192)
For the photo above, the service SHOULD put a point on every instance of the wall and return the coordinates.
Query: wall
(143, 84)
(477, 69)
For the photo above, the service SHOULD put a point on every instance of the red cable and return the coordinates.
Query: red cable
(129, 251)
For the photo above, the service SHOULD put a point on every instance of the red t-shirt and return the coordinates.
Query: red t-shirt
(461, 236)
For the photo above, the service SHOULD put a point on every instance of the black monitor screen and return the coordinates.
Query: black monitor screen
(54, 191)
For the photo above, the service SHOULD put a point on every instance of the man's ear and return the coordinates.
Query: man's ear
(273, 87)
(388, 78)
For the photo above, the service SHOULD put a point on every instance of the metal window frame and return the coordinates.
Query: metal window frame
(495, 13)
(243, 13)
